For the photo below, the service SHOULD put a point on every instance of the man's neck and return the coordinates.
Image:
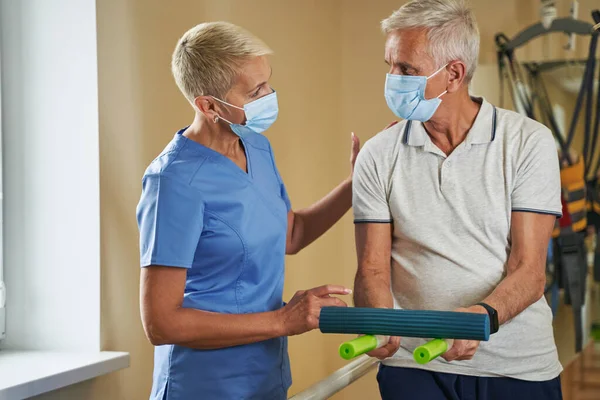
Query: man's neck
(452, 121)
(215, 136)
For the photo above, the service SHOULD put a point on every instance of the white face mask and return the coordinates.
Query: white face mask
(405, 96)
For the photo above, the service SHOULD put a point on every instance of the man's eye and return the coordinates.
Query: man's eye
(405, 71)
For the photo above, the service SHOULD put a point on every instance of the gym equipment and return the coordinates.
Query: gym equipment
(405, 323)
(552, 283)
(596, 332)
(531, 98)
(422, 354)
(377, 324)
(432, 349)
(574, 195)
(572, 263)
(526, 100)
(593, 210)
(361, 345)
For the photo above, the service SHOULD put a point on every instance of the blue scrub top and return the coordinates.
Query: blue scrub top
(200, 211)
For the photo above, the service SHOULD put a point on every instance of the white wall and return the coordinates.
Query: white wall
(51, 174)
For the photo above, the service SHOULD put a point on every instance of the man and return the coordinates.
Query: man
(454, 208)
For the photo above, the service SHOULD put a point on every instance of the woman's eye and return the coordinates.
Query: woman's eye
(253, 95)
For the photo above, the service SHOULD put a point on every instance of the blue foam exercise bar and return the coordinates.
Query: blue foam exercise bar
(405, 323)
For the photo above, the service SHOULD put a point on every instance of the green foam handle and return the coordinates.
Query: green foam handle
(430, 350)
(358, 346)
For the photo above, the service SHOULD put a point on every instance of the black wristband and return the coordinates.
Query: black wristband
(493, 314)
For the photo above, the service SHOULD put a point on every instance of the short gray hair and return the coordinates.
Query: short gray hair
(451, 29)
(208, 57)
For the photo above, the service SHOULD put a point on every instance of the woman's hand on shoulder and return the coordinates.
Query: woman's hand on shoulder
(354, 149)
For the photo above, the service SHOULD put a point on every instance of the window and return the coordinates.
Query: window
(2, 287)
(50, 138)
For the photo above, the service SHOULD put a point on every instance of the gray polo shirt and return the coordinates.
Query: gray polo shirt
(451, 228)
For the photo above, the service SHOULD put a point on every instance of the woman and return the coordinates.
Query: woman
(215, 224)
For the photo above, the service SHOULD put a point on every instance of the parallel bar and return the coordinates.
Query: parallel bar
(338, 380)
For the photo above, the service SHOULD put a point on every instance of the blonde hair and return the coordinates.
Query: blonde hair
(451, 29)
(208, 58)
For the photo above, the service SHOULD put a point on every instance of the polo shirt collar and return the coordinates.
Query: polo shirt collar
(483, 129)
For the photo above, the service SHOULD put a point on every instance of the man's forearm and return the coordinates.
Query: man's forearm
(372, 290)
(516, 292)
(312, 222)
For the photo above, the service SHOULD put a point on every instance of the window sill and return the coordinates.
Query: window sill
(29, 373)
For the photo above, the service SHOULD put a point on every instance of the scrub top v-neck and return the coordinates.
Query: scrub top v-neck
(199, 210)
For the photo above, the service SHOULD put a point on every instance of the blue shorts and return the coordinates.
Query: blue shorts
(415, 384)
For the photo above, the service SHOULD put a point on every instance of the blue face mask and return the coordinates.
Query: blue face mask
(405, 96)
(260, 115)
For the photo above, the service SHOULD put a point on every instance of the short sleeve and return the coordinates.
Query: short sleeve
(369, 197)
(170, 220)
(537, 181)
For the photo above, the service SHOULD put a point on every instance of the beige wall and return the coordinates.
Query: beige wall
(329, 73)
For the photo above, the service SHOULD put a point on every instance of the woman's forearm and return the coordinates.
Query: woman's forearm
(207, 330)
(312, 222)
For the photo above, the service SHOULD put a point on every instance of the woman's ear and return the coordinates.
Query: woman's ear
(457, 73)
(206, 105)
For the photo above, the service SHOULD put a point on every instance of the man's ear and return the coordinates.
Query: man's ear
(457, 74)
